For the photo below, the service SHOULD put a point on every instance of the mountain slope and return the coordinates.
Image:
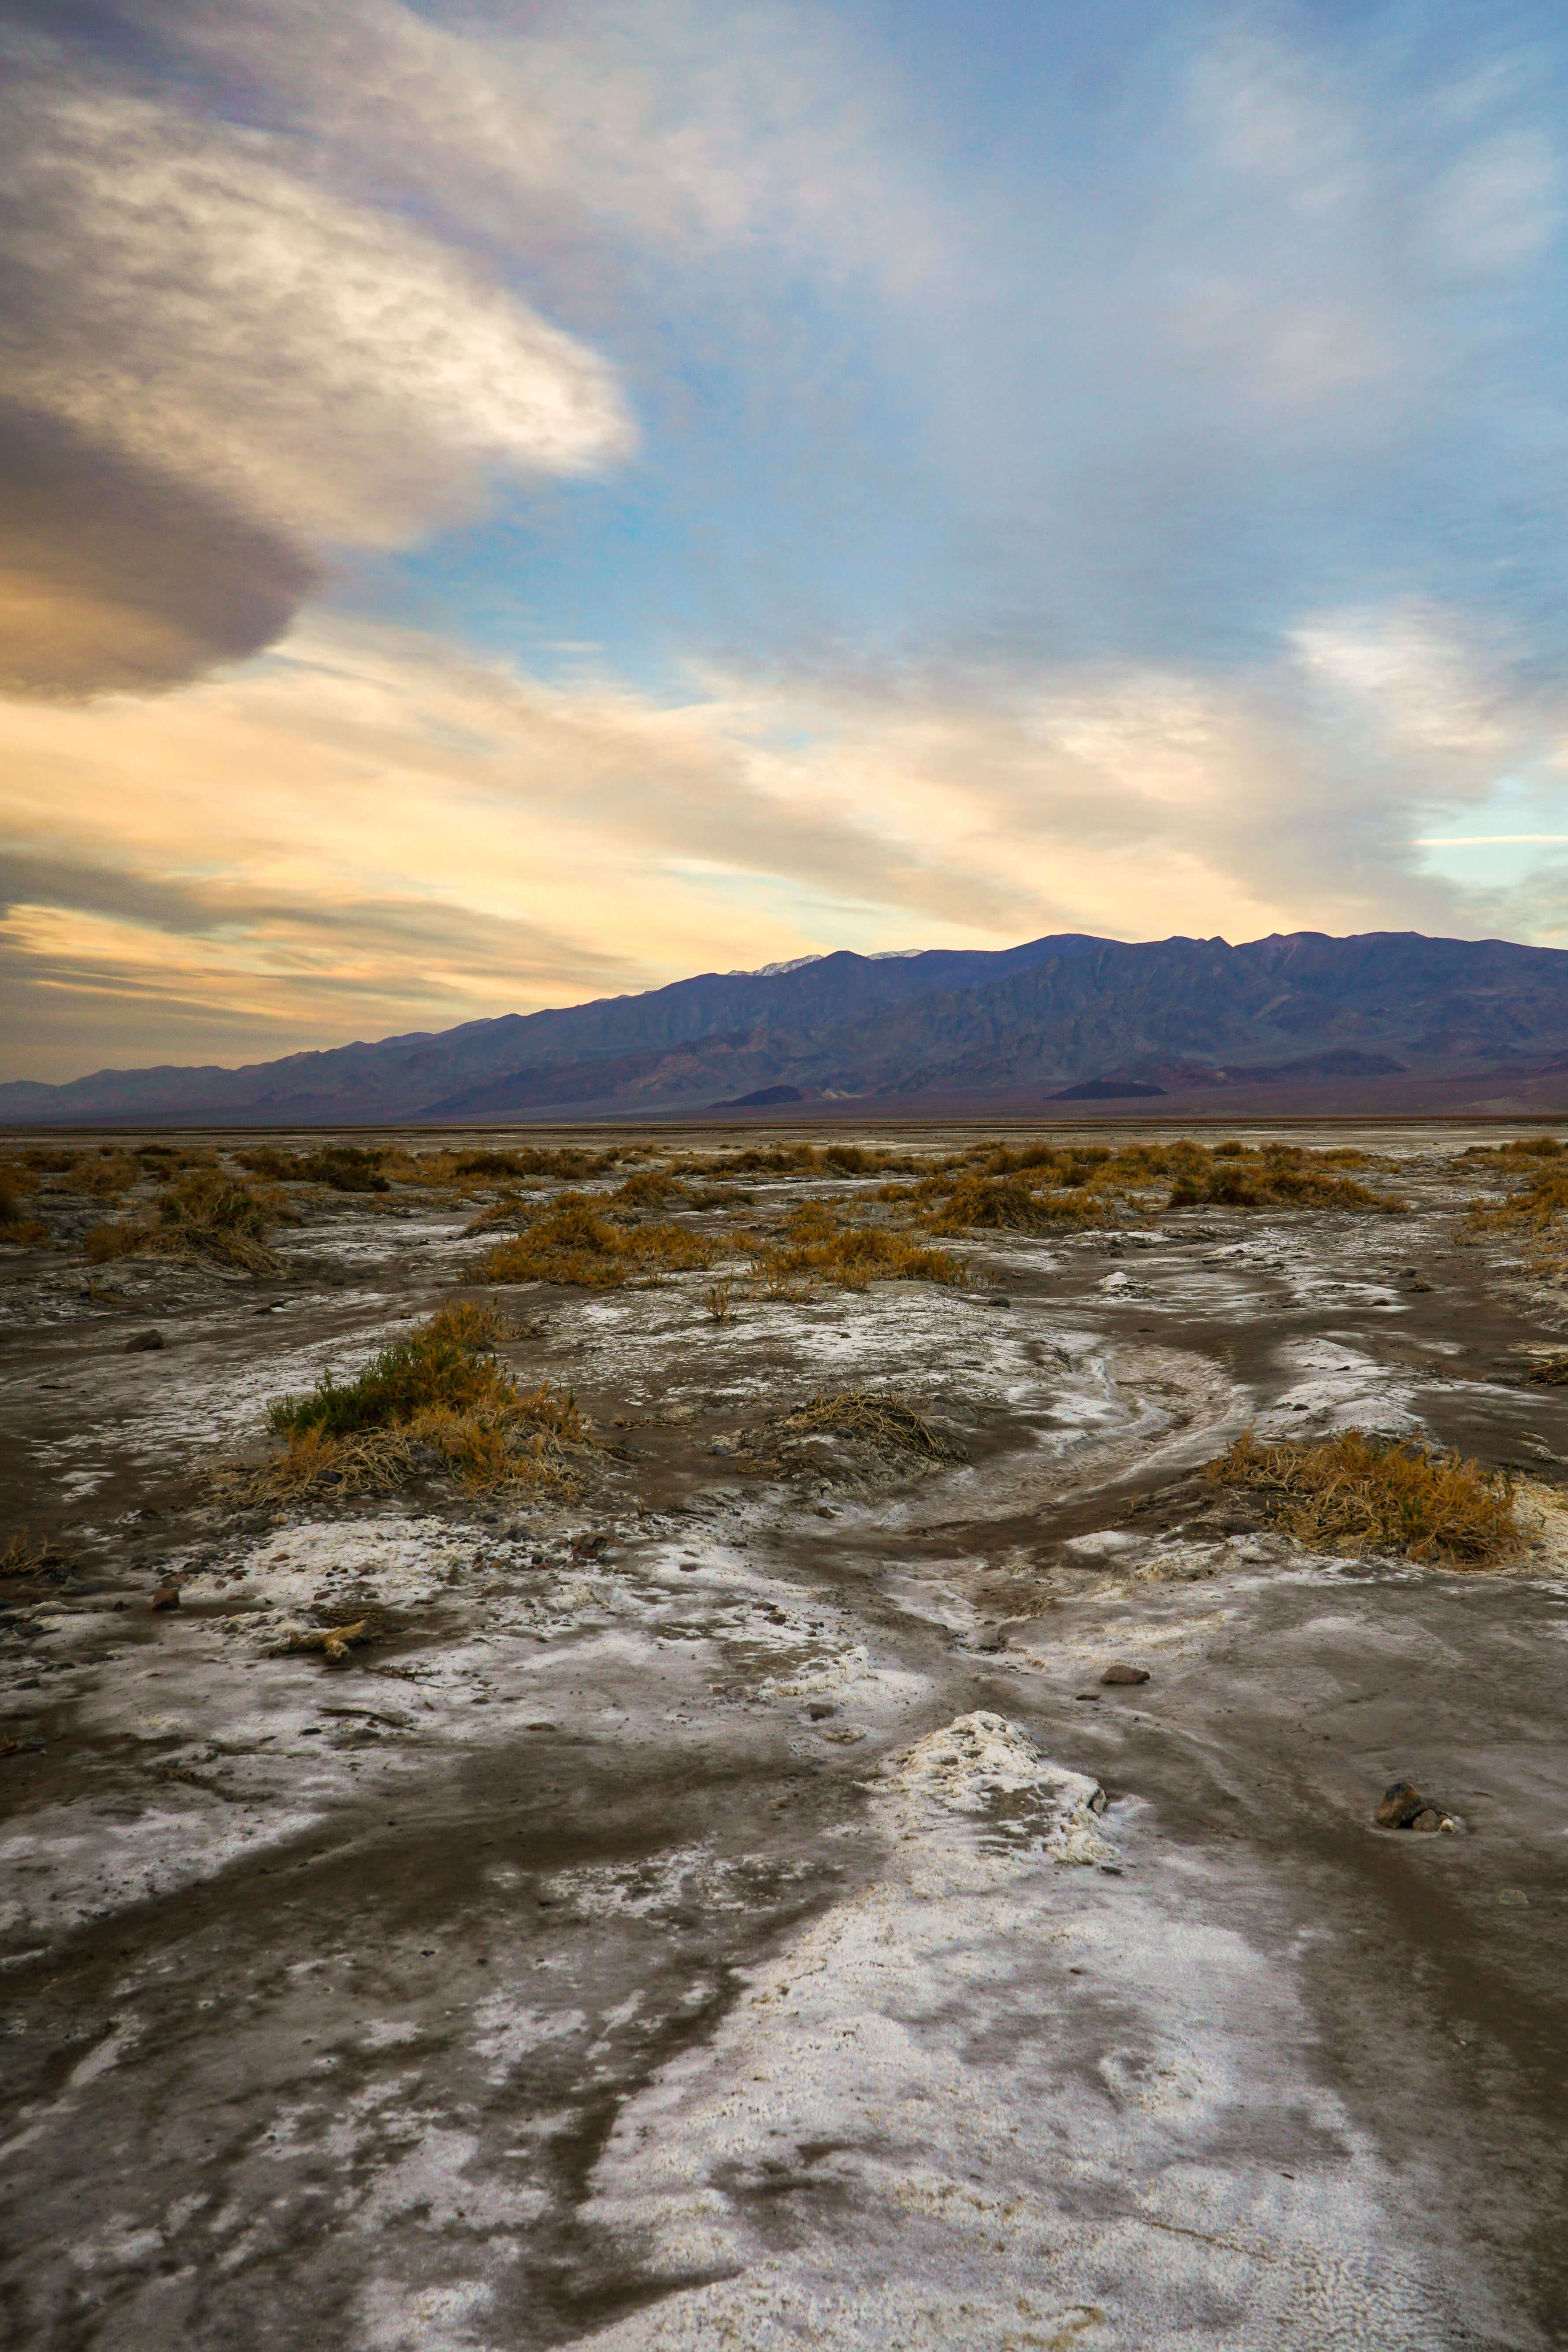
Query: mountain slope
(407, 1076)
(1039, 1018)
(1180, 1011)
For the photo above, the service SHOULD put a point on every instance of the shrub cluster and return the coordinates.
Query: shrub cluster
(572, 1242)
(1357, 1492)
(205, 1214)
(441, 1390)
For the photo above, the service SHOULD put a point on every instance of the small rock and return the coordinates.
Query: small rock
(1121, 1673)
(820, 1713)
(997, 1299)
(167, 1595)
(1401, 1805)
(1431, 1818)
(141, 1343)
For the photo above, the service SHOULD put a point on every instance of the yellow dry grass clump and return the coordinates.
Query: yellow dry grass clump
(1361, 1493)
(205, 1214)
(572, 1242)
(17, 1226)
(820, 1247)
(1539, 1202)
(440, 1392)
(992, 1187)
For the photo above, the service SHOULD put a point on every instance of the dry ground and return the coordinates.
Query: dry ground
(558, 1784)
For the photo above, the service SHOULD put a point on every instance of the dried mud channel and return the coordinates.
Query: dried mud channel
(722, 1905)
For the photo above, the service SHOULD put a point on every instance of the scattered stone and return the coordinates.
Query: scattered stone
(167, 1595)
(820, 1712)
(1400, 1803)
(141, 1343)
(1120, 1671)
(1405, 1808)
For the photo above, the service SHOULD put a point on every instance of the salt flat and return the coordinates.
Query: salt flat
(723, 1907)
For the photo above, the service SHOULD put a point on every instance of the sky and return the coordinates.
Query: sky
(510, 503)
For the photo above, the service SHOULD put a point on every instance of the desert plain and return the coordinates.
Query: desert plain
(560, 1786)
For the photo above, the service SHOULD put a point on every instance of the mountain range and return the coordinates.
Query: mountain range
(1386, 1019)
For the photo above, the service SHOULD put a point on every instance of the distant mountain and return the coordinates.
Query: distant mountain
(1069, 1018)
(416, 1077)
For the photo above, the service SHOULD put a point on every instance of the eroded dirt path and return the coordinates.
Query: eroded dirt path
(729, 1911)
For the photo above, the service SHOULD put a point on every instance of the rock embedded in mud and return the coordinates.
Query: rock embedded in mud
(141, 1343)
(1405, 1808)
(1118, 1671)
(167, 1595)
(1400, 1803)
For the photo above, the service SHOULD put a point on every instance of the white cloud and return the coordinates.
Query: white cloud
(178, 296)
(761, 125)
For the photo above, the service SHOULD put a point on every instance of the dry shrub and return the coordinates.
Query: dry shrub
(854, 1258)
(17, 1226)
(105, 1174)
(22, 1557)
(1538, 1203)
(1010, 1204)
(776, 1159)
(651, 1188)
(991, 1187)
(1276, 1181)
(718, 1298)
(462, 1169)
(1360, 1493)
(1522, 1147)
(436, 1398)
(53, 1162)
(883, 1421)
(135, 1238)
(571, 1242)
(265, 1159)
(206, 1214)
(312, 1463)
(1553, 1374)
(346, 1167)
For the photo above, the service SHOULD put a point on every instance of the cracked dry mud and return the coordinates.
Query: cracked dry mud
(729, 1909)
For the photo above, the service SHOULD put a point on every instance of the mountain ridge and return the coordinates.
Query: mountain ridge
(1053, 1014)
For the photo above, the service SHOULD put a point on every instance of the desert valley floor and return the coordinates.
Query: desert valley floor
(709, 1897)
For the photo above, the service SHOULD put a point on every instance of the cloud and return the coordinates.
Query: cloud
(765, 128)
(220, 359)
(113, 575)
